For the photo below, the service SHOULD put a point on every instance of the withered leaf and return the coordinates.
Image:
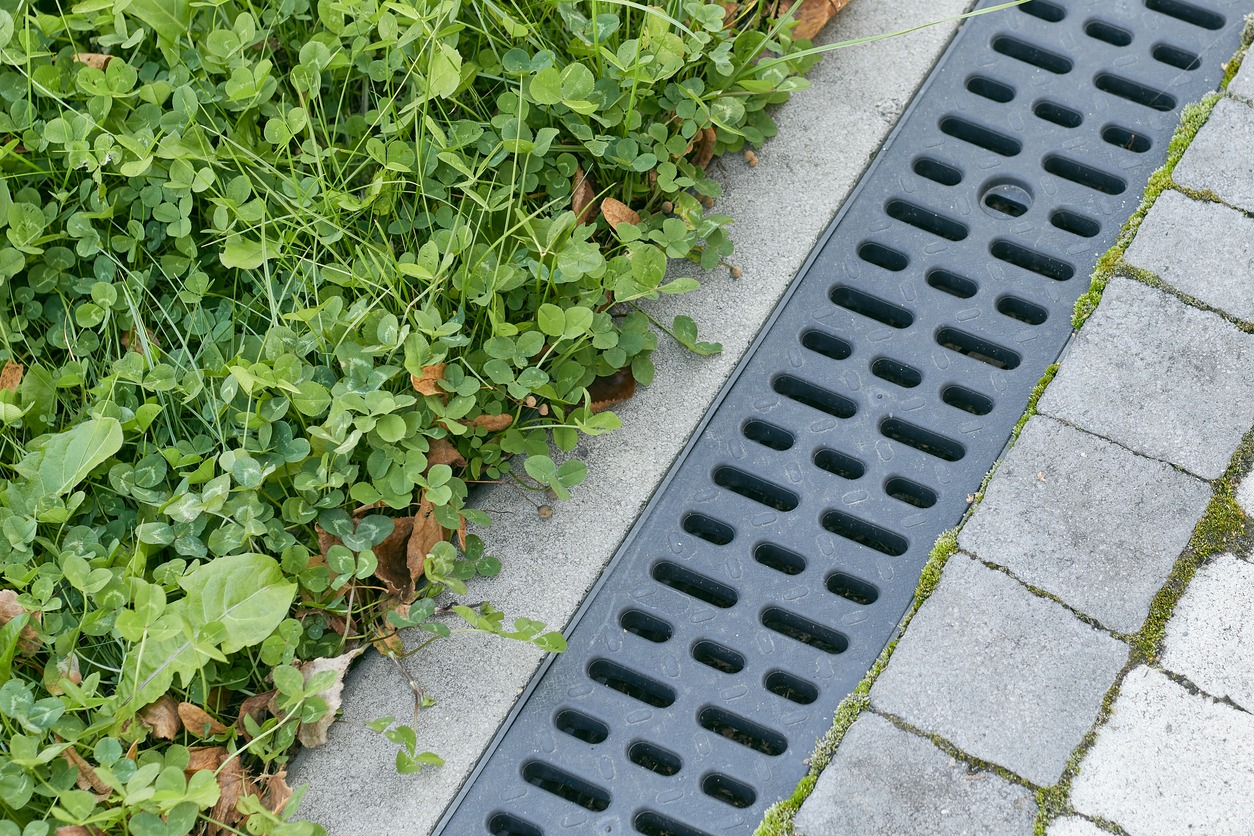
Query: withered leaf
(256, 707)
(616, 212)
(426, 533)
(95, 60)
(390, 554)
(441, 451)
(11, 375)
(87, 777)
(389, 644)
(28, 639)
(231, 788)
(493, 423)
(604, 392)
(812, 16)
(315, 734)
(428, 383)
(583, 193)
(78, 830)
(198, 721)
(705, 147)
(204, 757)
(162, 717)
(276, 791)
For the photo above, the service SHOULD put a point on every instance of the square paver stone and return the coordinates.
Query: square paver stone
(1004, 675)
(1210, 638)
(1243, 83)
(885, 780)
(1205, 250)
(1160, 377)
(1073, 826)
(1086, 520)
(1221, 157)
(1169, 762)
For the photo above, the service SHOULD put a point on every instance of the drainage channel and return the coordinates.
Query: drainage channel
(777, 558)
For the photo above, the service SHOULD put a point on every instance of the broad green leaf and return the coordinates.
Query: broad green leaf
(546, 86)
(246, 593)
(551, 320)
(246, 253)
(65, 459)
(168, 18)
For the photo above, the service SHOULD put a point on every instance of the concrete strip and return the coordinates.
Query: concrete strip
(1205, 250)
(1221, 157)
(1210, 638)
(885, 780)
(1245, 495)
(1073, 826)
(1169, 762)
(827, 136)
(1004, 675)
(1242, 84)
(1159, 377)
(1086, 520)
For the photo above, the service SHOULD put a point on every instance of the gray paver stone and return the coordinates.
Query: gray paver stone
(1005, 675)
(1205, 250)
(1160, 377)
(1086, 520)
(1245, 492)
(1221, 157)
(1210, 638)
(885, 780)
(1073, 826)
(1169, 762)
(1243, 83)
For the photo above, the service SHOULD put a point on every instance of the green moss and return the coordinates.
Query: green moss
(1033, 399)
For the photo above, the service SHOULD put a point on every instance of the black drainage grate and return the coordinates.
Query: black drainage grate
(771, 568)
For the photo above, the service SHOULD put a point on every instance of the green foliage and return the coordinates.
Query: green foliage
(236, 237)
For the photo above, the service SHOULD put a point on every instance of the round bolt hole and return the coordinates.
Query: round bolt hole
(1006, 199)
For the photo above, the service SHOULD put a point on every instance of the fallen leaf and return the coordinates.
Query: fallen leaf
(391, 555)
(426, 533)
(729, 13)
(11, 375)
(441, 451)
(87, 777)
(429, 382)
(78, 830)
(315, 734)
(812, 16)
(256, 707)
(277, 793)
(616, 212)
(231, 788)
(28, 639)
(162, 717)
(705, 147)
(95, 60)
(493, 423)
(389, 645)
(204, 757)
(604, 392)
(198, 721)
(583, 195)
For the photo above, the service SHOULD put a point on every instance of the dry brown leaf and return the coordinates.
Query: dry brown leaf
(28, 639)
(87, 777)
(276, 791)
(704, 142)
(11, 375)
(204, 757)
(604, 392)
(616, 212)
(729, 13)
(493, 423)
(429, 382)
(95, 60)
(78, 830)
(441, 451)
(812, 16)
(198, 721)
(315, 734)
(231, 788)
(133, 752)
(391, 555)
(256, 707)
(583, 197)
(427, 532)
(162, 717)
(389, 645)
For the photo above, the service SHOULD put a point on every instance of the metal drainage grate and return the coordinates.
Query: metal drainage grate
(776, 560)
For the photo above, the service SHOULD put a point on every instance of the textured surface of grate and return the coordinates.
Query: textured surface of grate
(774, 563)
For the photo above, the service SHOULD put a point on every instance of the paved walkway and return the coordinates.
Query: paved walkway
(1057, 675)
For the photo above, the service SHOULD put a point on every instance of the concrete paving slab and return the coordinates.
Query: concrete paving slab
(1073, 826)
(1245, 495)
(1205, 250)
(1210, 638)
(1169, 762)
(1005, 675)
(1243, 83)
(354, 788)
(1159, 377)
(1221, 157)
(1086, 520)
(885, 780)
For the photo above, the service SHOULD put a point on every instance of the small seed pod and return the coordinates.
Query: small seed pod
(529, 401)
(668, 207)
(707, 202)
(736, 272)
(751, 158)
(544, 409)
(545, 512)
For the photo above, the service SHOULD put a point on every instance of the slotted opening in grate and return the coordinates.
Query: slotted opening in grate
(759, 490)
(925, 441)
(1133, 91)
(564, 785)
(1174, 56)
(1108, 32)
(980, 136)
(580, 726)
(682, 579)
(911, 493)
(927, 220)
(1187, 12)
(779, 558)
(507, 824)
(1050, 12)
(801, 629)
(864, 304)
(977, 348)
(852, 589)
(900, 374)
(1084, 175)
(633, 684)
(1058, 114)
(1075, 223)
(951, 283)
(1028, 259)
(1022, 310)
(864, 533)
(728, 790)
(1031, 54)
(823, 343)
(792, 688)
(1126, 138)
(838, 463)
(960, 397)
(937, 171)
(714, 655)
(655, 824)
(990, 89)
(646, 626)
(815, 397)
(654, 758)
(739, 730)
(875, 253)
(768, 435)
(708, 529)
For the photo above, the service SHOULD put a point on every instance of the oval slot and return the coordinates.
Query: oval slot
(1187, 12)
(926, 220)
(834, 461)
(1039, 263)
(980, 136)
(759, 490)
(989, 89)
(580, 726)
(900, 374)
(911, 493)
(852, 589)
(635, 685)
(1102, 31)
(1174, 56)
(1049, 12)
(831, 347)
(708, 529)
(780, 559)
(952, 283)
(1058, 114)
(768, 435)
(728, 790)
(1003, 202)
(881, 256)
(654, 758)
(647, 627)
(1084, 175)
(925, 441)
(962, 398)
(814, 397)
(977, 348)
(683, 579)
(866, 534)
(1075, 223)
(739, 730)
(1126, 139)
(564, 785)
(791, 688)
(1134, 91)
(804, 630)
(507, 824)
(871, 307)
(655, 824)
(716, 656)
(1031, 54)
(937, 172)
(1022, 310)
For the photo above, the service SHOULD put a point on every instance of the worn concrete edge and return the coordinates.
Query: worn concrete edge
(551, 566)
(1224, 526)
